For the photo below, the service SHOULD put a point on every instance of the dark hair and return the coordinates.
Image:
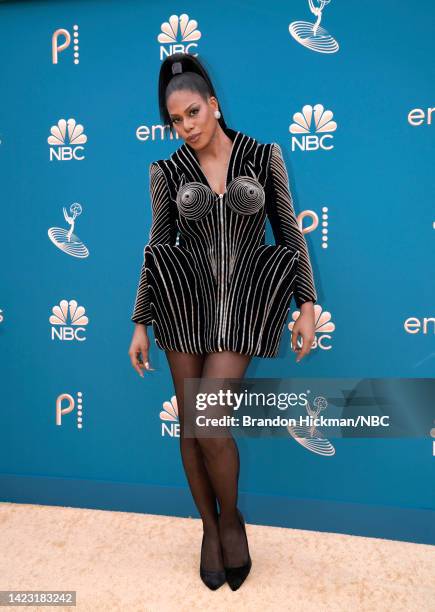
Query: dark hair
(194, 77)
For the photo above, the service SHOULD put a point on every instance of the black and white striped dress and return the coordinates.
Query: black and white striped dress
(208, 280)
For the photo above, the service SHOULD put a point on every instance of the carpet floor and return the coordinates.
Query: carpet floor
(140, 562)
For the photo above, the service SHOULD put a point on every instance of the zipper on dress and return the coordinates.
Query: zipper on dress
(221, 299)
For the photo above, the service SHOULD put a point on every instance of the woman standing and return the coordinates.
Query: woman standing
(214, 292)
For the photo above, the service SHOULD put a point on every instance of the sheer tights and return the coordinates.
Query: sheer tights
(212, 465)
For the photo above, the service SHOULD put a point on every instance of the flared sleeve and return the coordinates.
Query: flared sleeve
(163, 231)
(285, 227)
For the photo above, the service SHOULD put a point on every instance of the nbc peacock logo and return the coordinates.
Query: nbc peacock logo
(312, 128)
(323, 328)
(169, 418)
(67, 140)
(178, 35)
(68, 321)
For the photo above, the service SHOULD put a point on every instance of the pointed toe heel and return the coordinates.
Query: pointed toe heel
(213, 579)
(236, 576)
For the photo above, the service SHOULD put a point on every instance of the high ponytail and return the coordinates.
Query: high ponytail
(193, 77)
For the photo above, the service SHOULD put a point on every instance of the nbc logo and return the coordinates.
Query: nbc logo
(59, 140)
(59, 320)
(65, 404)
(324, 328)
(312, 35)
(312, 119)
(169, 418)
(180, 33)
(57, 47)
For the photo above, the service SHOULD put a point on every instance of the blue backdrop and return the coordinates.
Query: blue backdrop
(350, 105)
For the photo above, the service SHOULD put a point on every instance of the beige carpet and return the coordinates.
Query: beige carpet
(126, 561)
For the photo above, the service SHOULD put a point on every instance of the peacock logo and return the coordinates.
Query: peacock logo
(180, 33)
(312, 128)
(67, 139)
(68, 321)
(169, 418)
(323, 328)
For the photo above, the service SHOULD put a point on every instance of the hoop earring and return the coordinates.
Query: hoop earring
(217, 114)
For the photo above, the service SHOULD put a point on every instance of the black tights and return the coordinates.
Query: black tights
(212, 465)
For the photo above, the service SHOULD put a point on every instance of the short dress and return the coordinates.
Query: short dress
(208, 280)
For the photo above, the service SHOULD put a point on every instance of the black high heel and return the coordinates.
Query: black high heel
(237, 575)
(211, 578)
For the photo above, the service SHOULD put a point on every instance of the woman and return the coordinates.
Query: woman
(214, 292)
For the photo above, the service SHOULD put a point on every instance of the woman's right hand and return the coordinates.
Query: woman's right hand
(139, 347)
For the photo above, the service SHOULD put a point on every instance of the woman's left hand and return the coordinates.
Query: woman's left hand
(306, 327)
